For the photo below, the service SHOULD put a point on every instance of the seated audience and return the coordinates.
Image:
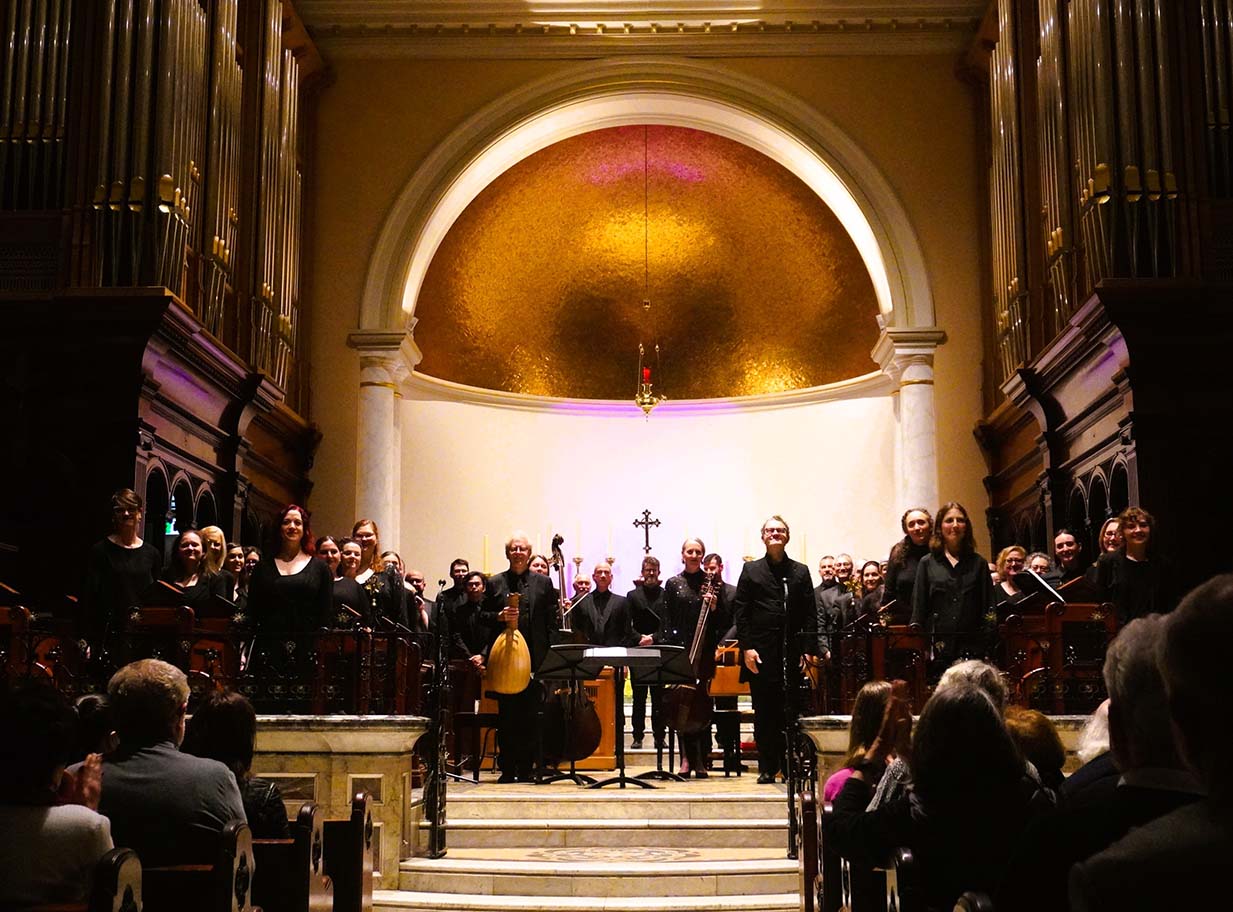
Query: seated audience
(867, 713)
(1039, 743)
(224, 728)
(968, 802)
(1176, 860)
(1152, 781)
(48, 849)
(167, 806)
(1098, 776)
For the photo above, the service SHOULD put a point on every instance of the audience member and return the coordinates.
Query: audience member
(1098, 776)
(867, 713)
(224, 728)
(1175, 861)
(167, 806)
(96, 727)
(1039, 743)
(1152, 781)
(967, 806)
(48, 849)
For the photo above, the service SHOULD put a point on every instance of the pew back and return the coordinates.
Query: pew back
(291, 872)
(224, 886)
(349, 857)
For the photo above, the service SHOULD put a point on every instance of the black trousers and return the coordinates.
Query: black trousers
(518, 725)
(638, 717)
(767, 695)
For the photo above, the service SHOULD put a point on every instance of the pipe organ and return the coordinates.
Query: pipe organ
(1104, 93)
(162, 136)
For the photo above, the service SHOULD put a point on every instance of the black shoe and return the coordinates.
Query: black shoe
(766, 778)
(635, 744)
(506, 779)
(701, 773)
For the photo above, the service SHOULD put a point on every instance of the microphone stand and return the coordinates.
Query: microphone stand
(439, 724)
(790, 725)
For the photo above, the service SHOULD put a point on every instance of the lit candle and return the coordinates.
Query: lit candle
(485, 552)
(646, 375)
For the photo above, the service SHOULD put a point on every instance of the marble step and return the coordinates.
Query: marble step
(696, 800)
(414, 901)
(602, 871)
(393, 900)
(650, 833)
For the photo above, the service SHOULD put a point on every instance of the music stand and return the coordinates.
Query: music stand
(1033, 583)
(650, 665)
(568, 662)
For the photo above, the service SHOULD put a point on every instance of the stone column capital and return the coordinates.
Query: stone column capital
(386, 358)
(906, 355)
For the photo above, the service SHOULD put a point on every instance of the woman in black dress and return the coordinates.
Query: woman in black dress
(119, 570)
(953, 598)
(905, 557)
(1011, 560)
(348, 594)
(872, 589)
(197, 581)
(291, 591)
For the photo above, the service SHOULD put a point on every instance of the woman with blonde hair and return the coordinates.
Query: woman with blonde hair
(365, 532)
(1010, 561)
(214, 545)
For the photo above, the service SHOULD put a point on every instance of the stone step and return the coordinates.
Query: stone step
(602, 871)
(566, 801)
(652, 833)
(414, 901)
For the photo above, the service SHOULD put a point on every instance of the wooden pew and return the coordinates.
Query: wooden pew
(224, 886)
(809, 859)
(290, 873)
(117, 883)
(348, 848)
(836, 873)
(903, 893)
(974, 902)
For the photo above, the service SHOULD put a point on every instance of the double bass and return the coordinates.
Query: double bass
(688, 707)
(572, 729)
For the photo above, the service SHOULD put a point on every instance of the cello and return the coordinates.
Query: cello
(572, 730)
(688, 707)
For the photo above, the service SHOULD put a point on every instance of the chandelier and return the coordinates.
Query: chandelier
(645, 396)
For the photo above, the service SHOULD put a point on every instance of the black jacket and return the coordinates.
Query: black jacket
(537, 611)
(760, 616)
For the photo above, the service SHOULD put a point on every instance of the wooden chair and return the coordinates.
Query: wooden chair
(14, 641)
(291, 872)
(348, 848)
(224, 886)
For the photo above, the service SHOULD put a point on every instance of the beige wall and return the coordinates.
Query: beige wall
(379, 118)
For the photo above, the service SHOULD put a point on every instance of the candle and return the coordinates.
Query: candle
(485, 553)
(646, 375)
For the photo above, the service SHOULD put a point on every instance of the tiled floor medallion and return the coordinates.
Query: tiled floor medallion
(614, 854)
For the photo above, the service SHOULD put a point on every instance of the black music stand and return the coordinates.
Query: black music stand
(649, 665)
(568, 662)
(674, 669)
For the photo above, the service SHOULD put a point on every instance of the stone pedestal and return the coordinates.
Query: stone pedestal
(327, 759)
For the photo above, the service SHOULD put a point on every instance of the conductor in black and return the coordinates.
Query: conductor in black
(774, 595)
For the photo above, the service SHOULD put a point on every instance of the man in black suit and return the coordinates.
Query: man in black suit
(646, 608)
(518, 715)
(773, 595)
(602, 615)
(1177, 861)
(423, 611)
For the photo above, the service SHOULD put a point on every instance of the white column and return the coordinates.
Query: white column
(906, 356)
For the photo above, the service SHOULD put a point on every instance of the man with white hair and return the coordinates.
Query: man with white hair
(537, 616)
(1176, 861)
(1153, 780)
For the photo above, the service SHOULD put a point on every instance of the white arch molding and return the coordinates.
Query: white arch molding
(694, 94)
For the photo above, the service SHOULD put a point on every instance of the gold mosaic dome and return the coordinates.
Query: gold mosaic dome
(754, 286)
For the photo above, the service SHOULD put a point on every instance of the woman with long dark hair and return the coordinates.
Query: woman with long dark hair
(867, 713)
(969, 799)
(196, 579)
(291, 591)
(905, 557)
(953, 598)
(872, 588)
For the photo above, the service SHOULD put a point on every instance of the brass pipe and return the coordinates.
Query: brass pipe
(34, 122)
(103, 166)
(62, 92)
(6, 97)
(20, 102)
(165, 112)
(47, 134)
(1220, 69)
(139, 181)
